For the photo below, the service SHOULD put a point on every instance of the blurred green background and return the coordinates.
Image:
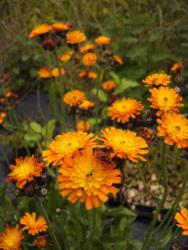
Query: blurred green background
(150, 35)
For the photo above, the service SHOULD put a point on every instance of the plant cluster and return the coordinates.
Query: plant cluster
(86, 163)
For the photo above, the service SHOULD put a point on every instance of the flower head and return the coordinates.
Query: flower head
(88, 179)
(165, 99)
(61, 26)
(25, 170)
(55, 72)
(32, 224)
(108, 85)
(83, 125)
(103, 40)
(88, 74)
(74, 98)
(86, 104)
(87, 47)
(174, 127)
(177, 68)
(182, 220)
(67, 145)
(157, 79)
(11, 238)
(40, 241)
(89, 59)
(124, 144)
(44, 72)
(66, 56)
(75, 37)
(124, 109)
(117, 59)
(40, 30)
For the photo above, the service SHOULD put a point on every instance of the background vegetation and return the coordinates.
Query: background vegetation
(148, 34)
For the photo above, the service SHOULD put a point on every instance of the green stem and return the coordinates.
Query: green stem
(170, 214)
(51, 229)
(162, 202)
(91, 224)
(61, 92)
(145, 184)
(97, 104)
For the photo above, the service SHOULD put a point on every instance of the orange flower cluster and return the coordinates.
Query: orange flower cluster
(25, 170)
(45, 72)
(157, 79)
(88, 74)
(165, 99)
(32, 224)
(174, 127)
(124, 109)
(108, 85)
(87, 179)
(182, 220)
(43, 29)
(68, 144)
(177, 68)
(11, 238)
(89, 59)
(124, 144)
(74, 98)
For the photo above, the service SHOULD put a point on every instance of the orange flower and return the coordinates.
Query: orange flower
(165, 99)
(44, 72)
(67, 145)
(40, 30)
(103, 40)
(10, 94)
(61, 26)
(177, 68)
(82, 125)
(89, 59)
(3, 114)
(32, 224)
(182, 220)
(40, 241)
(66, 56)
(86, 104)
(87, 47)
(88, 74)
(175, 128)
(157, 79)
(74, 97)
(117, 59)
(108, 85)
(11, 238)
(124, 109)
(25, 170)
(87, 179)
(124, 144)
(75, 37)
(55, 72)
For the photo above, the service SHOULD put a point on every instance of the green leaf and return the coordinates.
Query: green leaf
(125, 84)
(31, 137)
(101, 95)
(35, 126)
(115, 77)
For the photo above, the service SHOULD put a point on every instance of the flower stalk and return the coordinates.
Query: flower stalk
(162, 202)
(51, 229)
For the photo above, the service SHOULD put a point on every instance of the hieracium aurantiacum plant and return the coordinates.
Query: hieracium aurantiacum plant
(86, 163)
